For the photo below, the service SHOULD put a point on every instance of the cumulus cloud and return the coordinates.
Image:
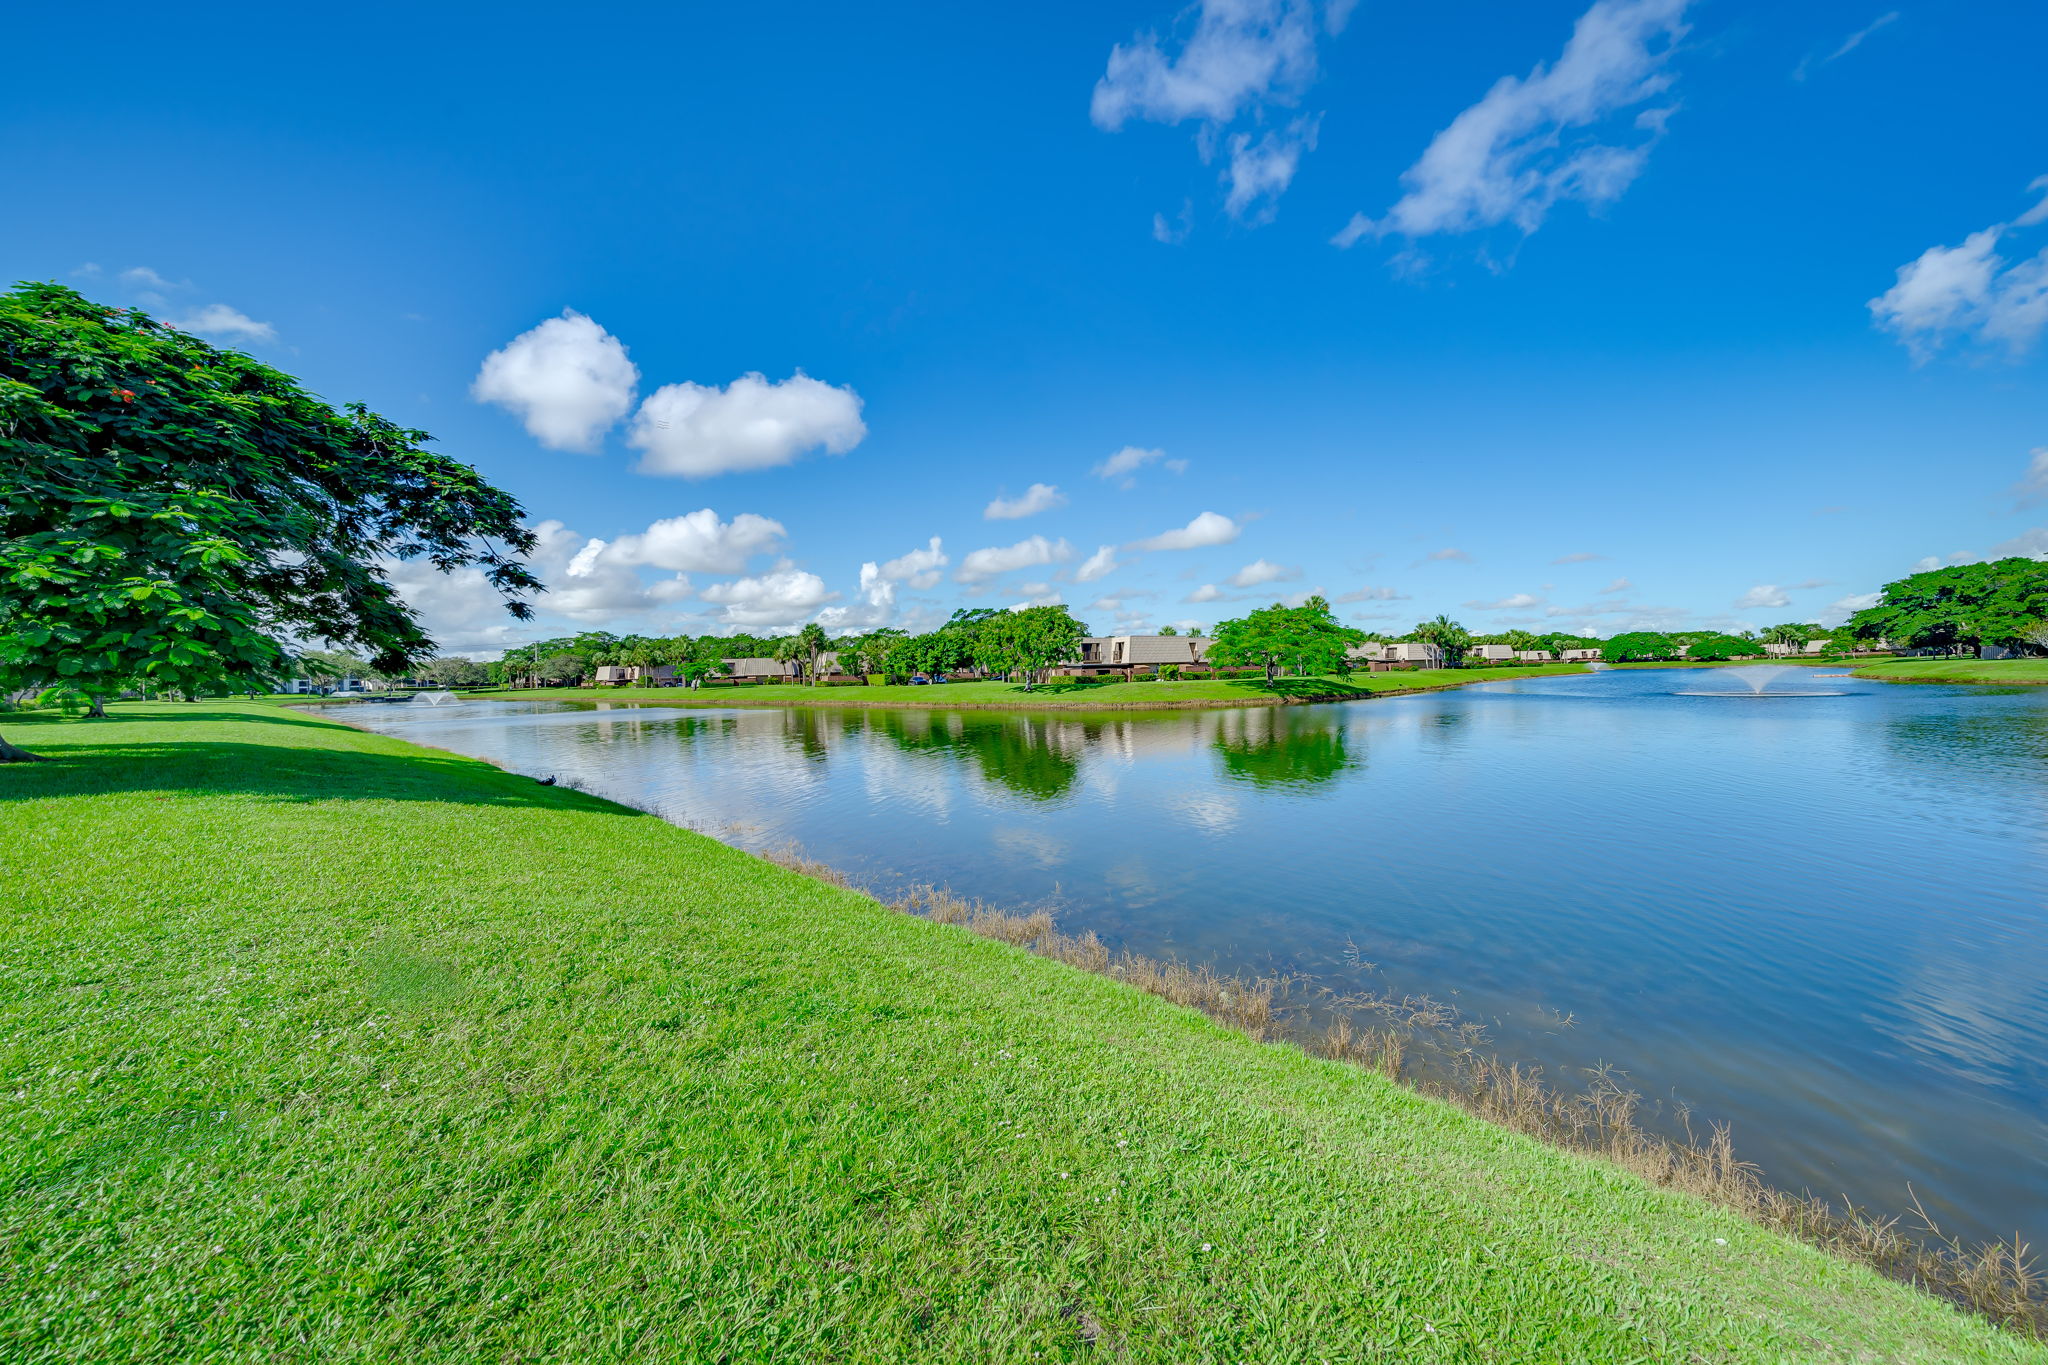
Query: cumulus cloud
(1842, 609)
(1101, 564)
(1618, 585)
(1040, 497)
(876, 605)
(784, 596)
(1520, 601)
(219, 320)
(2030, 544)
(1244, 58)
(460, 611)
(700, 543)
(695, 431)
(2032, 489)
(1971, 292)
(1261, 571)
(1208, 528)
(141, 276)
(1175, 231)
(1517, 153)
(920, 568)
(1025, 554)
(1370, 594)
(1763, 595)
(1122, 466)
(568, 380)
(1208, 592)
(1260, 171)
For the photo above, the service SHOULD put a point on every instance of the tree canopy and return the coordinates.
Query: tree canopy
(1716, 647)
(1637, 645)
(1963, 606)
(172, 513)
(1308, 637)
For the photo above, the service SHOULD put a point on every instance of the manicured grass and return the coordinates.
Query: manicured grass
(1062, 695)
(2013, 672)
(318, 1046)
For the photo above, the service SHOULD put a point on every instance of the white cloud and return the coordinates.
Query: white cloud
(1208, 528)
(1242, 54)
(1849, 44)
(1512, 156)
(695, 431)
(1101, 564)
(1244, 57)
(1040, 497)
(1842, 609)
(568, 380)
(460, 611)
(1618, 585)
(1025, 554)
(1520, 601)
(1128, 461)
(1763, 595)
(143, 277)
(876, 607)
(1449, 554)
(1261, 571)
(782, 597)
(920, 568)
(1579, 557)
(1970, 292)
(700, 543)
(1259, 172)
(2032, 489)
(1208, 592)
(1370, 594)
(1175, 232)
(2032, 544)
(89, 270)
(219, 320)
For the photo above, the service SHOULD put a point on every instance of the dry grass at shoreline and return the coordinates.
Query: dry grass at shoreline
(1999, 1279)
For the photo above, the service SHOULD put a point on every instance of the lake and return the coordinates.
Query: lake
(1819, 918)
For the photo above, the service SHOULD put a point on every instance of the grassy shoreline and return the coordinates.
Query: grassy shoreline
(1006, 696)
(320, 1045)
(1978, 672)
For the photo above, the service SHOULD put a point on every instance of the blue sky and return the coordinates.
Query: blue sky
(1568, 316)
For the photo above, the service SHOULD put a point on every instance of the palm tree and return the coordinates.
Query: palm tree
(789, 649)
(1447, 635)
(811, 642)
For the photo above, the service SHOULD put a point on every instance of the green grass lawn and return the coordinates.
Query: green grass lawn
(1063, 694)
(319, 1046)
(2017, 672)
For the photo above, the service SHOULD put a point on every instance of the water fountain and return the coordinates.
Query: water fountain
(1757, 680)
(434, 698)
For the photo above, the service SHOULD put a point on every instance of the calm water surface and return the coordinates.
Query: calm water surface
(1818, 918)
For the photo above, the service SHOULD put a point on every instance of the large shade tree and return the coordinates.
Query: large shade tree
(171, 513)
(1961, 607)
(1308, 636)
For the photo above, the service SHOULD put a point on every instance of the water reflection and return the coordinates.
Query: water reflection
(1284, 747)
(1821, 920)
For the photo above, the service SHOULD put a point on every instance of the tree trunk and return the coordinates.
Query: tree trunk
(10, 754)
(99, 709)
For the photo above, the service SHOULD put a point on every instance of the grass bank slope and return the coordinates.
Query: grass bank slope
(1008, 696)
(2012, 672)
(318, 1046)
